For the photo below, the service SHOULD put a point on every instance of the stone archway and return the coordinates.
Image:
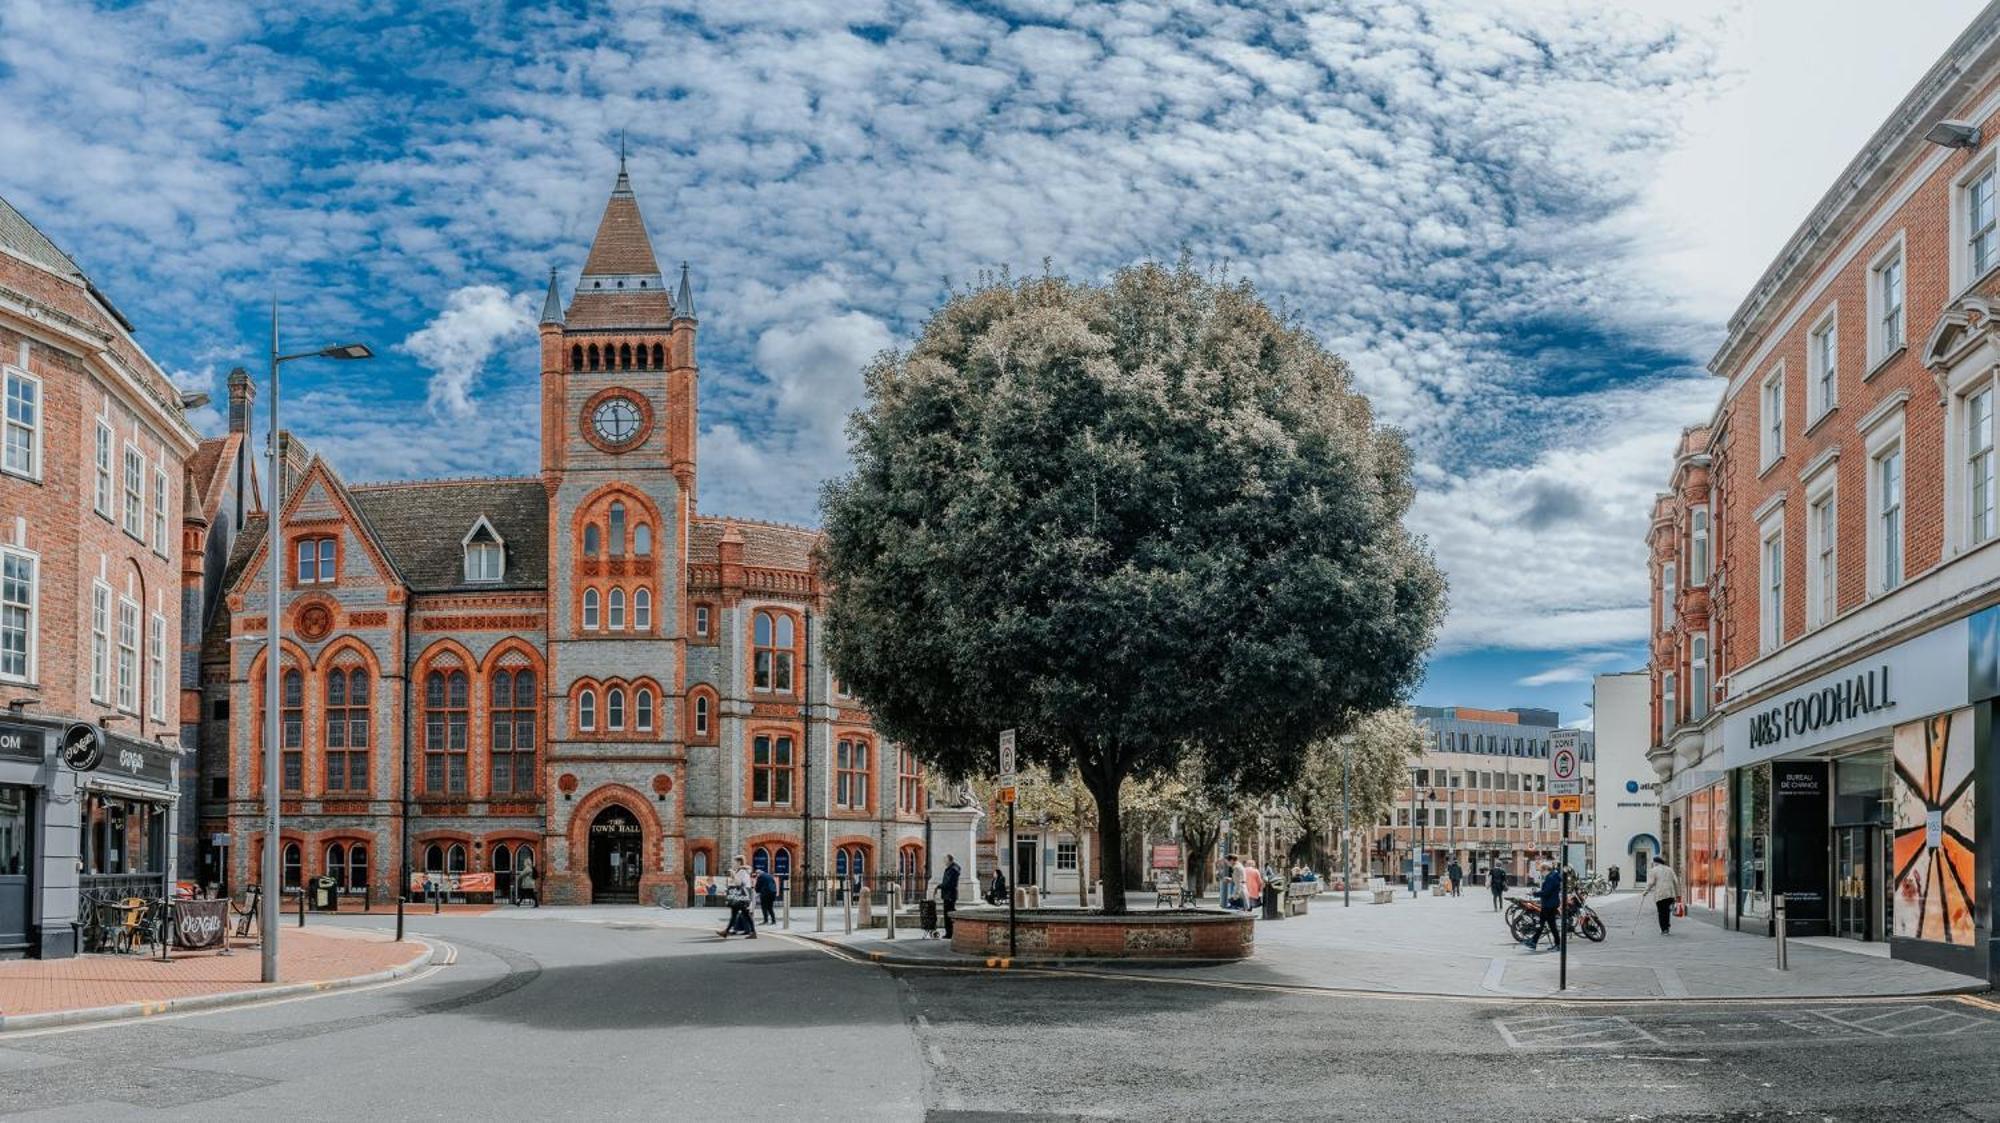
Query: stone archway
(617, 856)
(576, 882)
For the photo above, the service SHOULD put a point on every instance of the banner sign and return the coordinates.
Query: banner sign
(201, 924)
(1166, 857)
(451, 882)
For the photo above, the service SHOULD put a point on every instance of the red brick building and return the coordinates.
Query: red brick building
(576, 671)
(1823, 563)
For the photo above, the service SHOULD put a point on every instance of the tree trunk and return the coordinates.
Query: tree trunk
(1199, 856)
(1111, 833)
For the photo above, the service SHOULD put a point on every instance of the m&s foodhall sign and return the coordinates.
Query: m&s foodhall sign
(1863, 693)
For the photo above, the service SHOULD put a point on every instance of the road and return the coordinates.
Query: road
(542, 1018)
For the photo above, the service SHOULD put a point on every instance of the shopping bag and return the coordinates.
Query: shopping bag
(1680, 908)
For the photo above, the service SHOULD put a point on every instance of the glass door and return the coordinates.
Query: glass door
(1851, 868)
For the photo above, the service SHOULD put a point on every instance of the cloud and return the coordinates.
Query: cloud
(457, 343)
(1576, 668)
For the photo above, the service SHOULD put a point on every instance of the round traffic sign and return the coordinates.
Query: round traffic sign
(1563, 764)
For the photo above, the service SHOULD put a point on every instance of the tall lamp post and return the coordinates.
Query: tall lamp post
(273, 883)
(1346, 875)
(1424, 801)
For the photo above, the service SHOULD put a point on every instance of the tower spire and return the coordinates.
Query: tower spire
(684, 301)
(552, 312)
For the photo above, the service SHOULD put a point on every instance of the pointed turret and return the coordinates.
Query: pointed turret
(552, 312)
(621, 285)
(684, 301)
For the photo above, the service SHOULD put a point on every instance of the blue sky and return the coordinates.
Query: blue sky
(1522, 223)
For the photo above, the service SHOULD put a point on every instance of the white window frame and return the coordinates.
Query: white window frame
(1697, 677)
(1823, 367)
(1669, 574)
(1882, 433)
(701, 620)
(1822, 549)
(642, 609)
(1771, 582)
(133, 470)
(1066, 857)
(100, 642)
(1974, 379)
(1963, 274)
(104, 493)
(592, 602)
(1882, 345)
(128, 655)
(32, 611)
(160, 511)
(494, 548)
(1771, 418)
(1699, 522)
(156, 667)
(36, 430)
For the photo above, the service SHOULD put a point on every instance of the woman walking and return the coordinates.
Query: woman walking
(1663, 888)
(1496, 880)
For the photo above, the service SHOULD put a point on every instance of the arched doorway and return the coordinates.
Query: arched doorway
(616, 846)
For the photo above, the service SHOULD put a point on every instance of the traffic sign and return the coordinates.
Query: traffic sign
(1561, 803)
(1007, 795)
(1006, 758)
(1565, 762)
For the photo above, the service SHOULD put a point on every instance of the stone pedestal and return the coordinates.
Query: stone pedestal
(955, 831)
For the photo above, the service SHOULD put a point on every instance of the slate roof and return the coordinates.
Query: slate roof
(619, 308)
(773, 545)
(621, 246)
(205, 472)
(21, 236)
(422, 525)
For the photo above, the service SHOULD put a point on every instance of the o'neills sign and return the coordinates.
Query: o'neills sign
(1867, 692)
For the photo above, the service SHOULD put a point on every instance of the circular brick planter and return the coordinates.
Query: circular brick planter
(1074, 934)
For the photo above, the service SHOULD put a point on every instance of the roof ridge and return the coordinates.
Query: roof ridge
(439, 481)
(725, 519)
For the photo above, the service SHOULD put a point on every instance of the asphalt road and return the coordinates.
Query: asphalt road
(550, 1019)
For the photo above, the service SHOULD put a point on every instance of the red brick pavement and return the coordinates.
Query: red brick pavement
(34, 986)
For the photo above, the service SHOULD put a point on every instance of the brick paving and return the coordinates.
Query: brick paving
(36, 986)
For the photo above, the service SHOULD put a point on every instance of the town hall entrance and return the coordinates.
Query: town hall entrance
(615, 848)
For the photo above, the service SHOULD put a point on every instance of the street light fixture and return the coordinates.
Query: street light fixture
(1346, 875)
(275, 554)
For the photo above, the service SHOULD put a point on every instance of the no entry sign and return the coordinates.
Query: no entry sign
(1565, 763)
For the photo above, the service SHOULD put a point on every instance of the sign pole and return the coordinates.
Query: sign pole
(1562, 904)
(1014, 887)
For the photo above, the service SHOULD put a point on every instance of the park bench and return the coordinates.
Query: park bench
(1298, 894)
(1380, 891)
(1172, 892)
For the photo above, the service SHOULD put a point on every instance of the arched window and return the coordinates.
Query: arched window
(781, 861)
(293, 719)
(336, 863)
(617, 532)
(772, 635)
(659, 357)
(501, 859)
(291, 867)
(347, 866)
(642, 541)
(853, 860)
(701, 715)
(910, 867)
(454, 859)
(617, 613)
(642, 610)
(433, 858)
(347, 730)
(760, 860)
(592, 541)
(446, 713)
(643, 707)
(593, 356)
(590, 609)
(614, 708)
(700, 865)
(625, 356)
(576, 357)
(586, 710)
(513, 732)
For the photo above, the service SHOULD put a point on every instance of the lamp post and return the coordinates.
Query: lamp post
(1424, 801)
(1346, 747)
(274, 539)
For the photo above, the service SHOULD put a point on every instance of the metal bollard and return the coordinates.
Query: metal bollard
(893, 893)
(400, 898)
(819, 906)
(785, 891)
(847, 911)
(1778, 922)
(302, 907)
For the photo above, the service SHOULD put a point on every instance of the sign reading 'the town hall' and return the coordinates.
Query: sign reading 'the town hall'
(1864, 693)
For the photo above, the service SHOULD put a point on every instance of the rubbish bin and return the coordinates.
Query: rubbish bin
(1270, 901)
(326, 895)
(927, 914)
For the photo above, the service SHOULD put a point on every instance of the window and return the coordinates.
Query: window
(1889, 518)
(1668, 589)
(1823, 538)
(642, 610)
(21, 452)
(513, 736)
(1885, 294)
(592, 545)
(851, 862)
(156, 667)
(445, 738)
(1066, 856)
(17, 615)
(617, 613)
(128, 655)
(292, 723)
(1697, 678)
(485, 557)
(617, 532)
(348, 866)
(909, 783)
(1771, 629)
(101, 496)
(614, 708)
(772, 636)
(160, 544)
(1980, 241)
(1979, 483)
(642, 541)
(590, 610)
(346, 722)
(850, 774)
(701, 715)
(1698, 547)
(1822, 367)
(1667, 717)
(642, 709)
(100, 642)
(586, 710)
(315, 561)
(1773, 417)
(135, 493)
(701, 619)
(771, 770)
(290, 865)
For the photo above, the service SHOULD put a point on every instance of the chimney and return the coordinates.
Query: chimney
(242, 394)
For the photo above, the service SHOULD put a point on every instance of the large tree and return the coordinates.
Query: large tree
(1128, 520)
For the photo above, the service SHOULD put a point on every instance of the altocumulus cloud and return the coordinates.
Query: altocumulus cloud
(1446, 194)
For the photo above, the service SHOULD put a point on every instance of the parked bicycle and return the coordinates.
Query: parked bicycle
(1524, 918)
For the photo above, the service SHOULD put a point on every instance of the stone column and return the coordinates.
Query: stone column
(955, 831)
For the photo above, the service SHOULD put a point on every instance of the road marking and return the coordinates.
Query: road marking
(1495, 968)
(1559, 1031)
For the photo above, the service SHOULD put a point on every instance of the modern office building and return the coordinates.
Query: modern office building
(1478, 794)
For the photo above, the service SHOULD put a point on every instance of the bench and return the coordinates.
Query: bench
(1298, 894)
(1171, 892)
(1381, 891)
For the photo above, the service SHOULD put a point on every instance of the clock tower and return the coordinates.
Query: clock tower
(618, 463)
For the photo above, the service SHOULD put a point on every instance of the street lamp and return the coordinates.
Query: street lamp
(272, 652)
(1424, 801)
(1346, 875)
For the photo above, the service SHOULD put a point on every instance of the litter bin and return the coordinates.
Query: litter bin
(326, 895)
(927, 914)
(1270, 901)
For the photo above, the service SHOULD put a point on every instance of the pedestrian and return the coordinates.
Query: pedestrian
(1496, 880)
(1663, 888)
(738, 896)
(1253, 886)
(997, 895)
(1612, 877)
(767, 895)
(948, 891)
(1549, 897)
(1225, 894)
(524, 885)
(1457, 873)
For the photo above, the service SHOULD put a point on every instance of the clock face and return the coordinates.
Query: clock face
(616, 421)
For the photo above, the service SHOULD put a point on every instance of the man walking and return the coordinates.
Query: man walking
(1496, 880)
(767, 895)
(1457, 873)
(1550, 899)
(948, 891)
(1663, 888)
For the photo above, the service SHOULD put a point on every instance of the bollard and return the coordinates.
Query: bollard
(819, 907)
(437, 900)
(302, 907)
(865, 906)
(785, 890)
(847, 911)
(1778, 922)
(893, 888)
(400, 898)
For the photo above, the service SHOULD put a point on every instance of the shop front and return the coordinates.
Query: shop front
(37, 844)
(125, 815)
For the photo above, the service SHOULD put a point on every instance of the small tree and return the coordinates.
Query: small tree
(1188, 800)
(1128, 520)
(1378, 753)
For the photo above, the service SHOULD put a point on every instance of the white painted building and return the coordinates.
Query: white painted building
(1628, 797)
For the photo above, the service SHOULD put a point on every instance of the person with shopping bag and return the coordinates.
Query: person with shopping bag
(1663, 888)
(738, 895)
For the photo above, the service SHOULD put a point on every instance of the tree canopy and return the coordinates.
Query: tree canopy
(1129, 520)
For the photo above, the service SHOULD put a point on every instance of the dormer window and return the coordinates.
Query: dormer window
(485, 552)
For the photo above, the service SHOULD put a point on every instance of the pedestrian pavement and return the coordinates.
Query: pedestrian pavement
(1458, 946)
(36, 992)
